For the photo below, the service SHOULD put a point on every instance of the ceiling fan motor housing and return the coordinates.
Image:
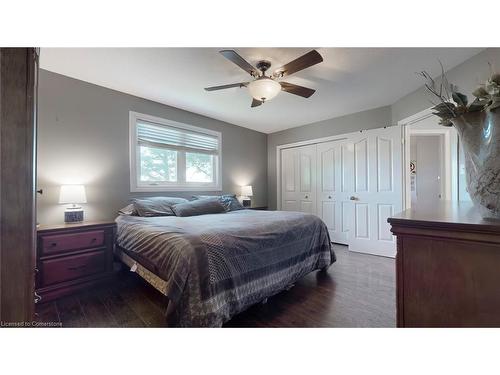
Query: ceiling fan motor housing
(263, 65)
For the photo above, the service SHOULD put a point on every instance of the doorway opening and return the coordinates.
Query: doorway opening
(433, 166)
(427, 168)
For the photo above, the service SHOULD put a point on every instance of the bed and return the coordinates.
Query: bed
(214, 266)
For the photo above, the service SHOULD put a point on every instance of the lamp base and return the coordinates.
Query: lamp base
(246, 202)
(73, 215)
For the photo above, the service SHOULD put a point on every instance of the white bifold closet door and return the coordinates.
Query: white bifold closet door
(298, 179)
(335, 183)
(377, 191)
(353, 184)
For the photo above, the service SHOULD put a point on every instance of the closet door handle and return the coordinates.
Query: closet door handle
(329, 197)
(353, 198)
(307, 196)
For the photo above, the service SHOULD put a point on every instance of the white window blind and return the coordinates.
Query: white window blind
(168, 155)
(173, 138)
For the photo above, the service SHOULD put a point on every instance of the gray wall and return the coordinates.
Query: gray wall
(83, 138)
(466, 76)
(373, 118)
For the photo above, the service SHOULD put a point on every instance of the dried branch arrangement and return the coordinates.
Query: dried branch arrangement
(453, 104)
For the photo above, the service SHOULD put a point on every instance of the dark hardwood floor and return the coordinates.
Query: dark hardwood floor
(357, 291)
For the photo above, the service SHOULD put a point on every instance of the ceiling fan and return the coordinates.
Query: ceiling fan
(264, 88)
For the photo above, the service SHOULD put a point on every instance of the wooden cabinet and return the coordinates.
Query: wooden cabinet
(18, 98)
(447, 267)
(72, 257)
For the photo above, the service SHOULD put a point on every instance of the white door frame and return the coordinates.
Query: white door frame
(450, 145)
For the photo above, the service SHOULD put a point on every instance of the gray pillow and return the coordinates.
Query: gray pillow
(229, 201)
(156, 206)
(199, 207)
(128, 210)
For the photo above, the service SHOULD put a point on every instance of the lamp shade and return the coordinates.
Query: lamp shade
(72, 194)
(264, 88)
(246, 191)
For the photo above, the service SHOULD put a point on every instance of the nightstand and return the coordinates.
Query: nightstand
(72, 257)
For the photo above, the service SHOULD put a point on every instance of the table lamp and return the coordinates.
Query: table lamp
(73, 194)
(246, 193)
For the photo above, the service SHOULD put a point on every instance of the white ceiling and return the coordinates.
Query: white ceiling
(347, 81)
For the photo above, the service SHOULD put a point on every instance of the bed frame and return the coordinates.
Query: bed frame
(155, 281)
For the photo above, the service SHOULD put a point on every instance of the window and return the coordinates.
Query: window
(167, 155)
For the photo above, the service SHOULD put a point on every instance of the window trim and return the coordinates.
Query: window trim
(134, 158)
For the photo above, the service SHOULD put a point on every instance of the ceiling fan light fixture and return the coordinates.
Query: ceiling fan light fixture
(264, 88)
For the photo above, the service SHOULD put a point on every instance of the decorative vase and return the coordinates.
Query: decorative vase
(480, 138)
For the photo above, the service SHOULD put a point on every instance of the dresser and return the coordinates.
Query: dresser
(72, 257)
(447, 267)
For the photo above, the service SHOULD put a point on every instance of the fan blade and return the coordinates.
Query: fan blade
(305, 61)
(256, 103)
(213, 88)
(240, 61)
(296, 89)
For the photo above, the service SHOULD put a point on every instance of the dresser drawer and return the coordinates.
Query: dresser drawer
(57, 243)
(72, 267)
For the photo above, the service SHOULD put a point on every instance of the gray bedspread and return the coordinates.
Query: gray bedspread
(220, 264)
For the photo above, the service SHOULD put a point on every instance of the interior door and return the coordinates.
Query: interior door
(377, 191)
(335, 181)
(429, 171)
(298, 179)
